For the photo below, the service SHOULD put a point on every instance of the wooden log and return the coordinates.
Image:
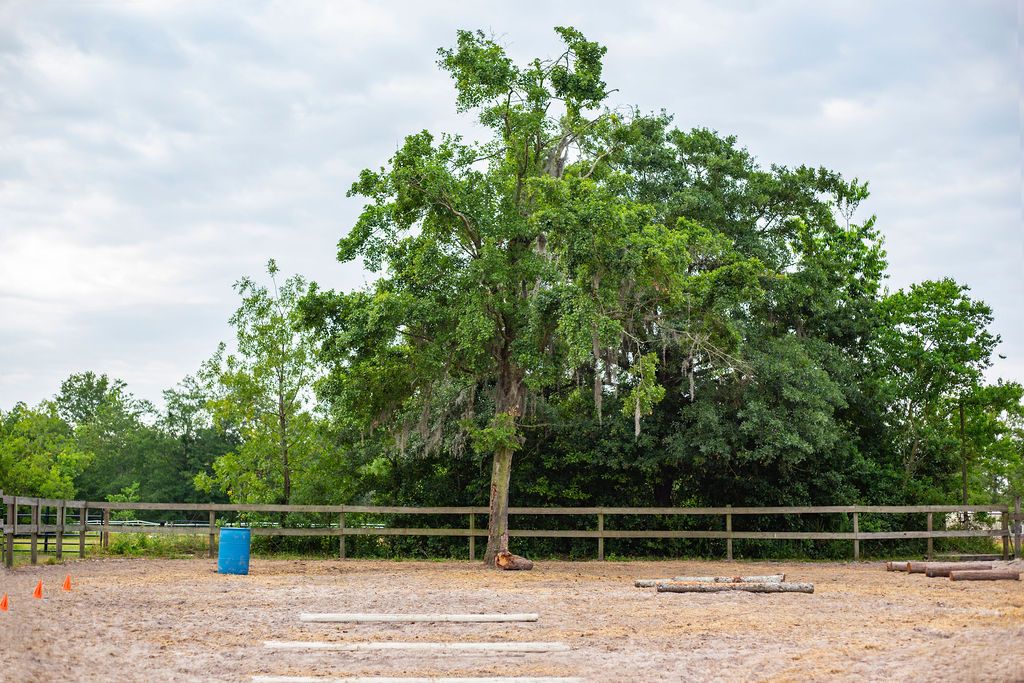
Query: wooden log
(769, 578)
(431, 679)
(923, 567)
(418, 646)
(357, 617)
(508, 561)
(981, 575)
(771, 587)
(933, 572)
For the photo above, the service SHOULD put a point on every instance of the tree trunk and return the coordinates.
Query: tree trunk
(598, 387)
(963, 459)
(497, 526)
(510, 393)
(663, 484)
(282, 421)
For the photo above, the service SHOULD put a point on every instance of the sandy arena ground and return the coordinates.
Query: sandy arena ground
(178, 620)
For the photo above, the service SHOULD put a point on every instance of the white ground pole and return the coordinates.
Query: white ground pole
(375, 618)
(417, 646)
(432, 679)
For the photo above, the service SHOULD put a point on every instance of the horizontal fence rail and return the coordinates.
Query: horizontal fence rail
(28, 517)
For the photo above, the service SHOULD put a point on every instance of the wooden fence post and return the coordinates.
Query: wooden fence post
(35, 532)
(931, 541)
(83, 521)
(1006, 533)
(213, 531)
(856, 537)
(60, 531)
(12, 522)
(105, 535)
(1018, 527)
(341, 535)
(7, 521)
(472, 538)
(600, 539)
(728, 538)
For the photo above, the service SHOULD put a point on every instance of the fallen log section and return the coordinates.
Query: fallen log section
(933, 572)
(431, 679)
(769, 578)
(417, 646)
(414, 618)
(767, 587)
(923, 567)
(508, 561)
(990, 575)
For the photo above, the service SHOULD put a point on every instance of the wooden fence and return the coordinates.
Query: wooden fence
(80, 518)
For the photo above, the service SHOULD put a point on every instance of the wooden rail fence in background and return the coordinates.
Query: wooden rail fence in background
(80, 518)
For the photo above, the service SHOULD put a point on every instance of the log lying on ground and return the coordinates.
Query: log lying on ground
(901, 566)
(506, 560)
(417, 646)
(933, 572)
(981, 575)
(767, 587)
(770, 578)
(416, 679)
(923, 567)
(360, 617)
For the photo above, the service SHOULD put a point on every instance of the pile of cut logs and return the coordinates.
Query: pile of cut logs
(773, 583)
(956, 571)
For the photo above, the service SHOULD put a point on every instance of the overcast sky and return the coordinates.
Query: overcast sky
(152, 153)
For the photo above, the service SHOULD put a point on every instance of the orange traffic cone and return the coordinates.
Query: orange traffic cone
(38, 592)
(3, 603)
(67, 583)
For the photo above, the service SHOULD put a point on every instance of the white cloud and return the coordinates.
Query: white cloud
(154, 152)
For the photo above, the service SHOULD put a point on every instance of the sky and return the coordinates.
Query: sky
(153, 153)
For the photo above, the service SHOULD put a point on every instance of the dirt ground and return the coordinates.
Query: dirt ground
(178, 620)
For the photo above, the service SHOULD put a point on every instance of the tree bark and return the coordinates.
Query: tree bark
(497, 526)
(772, 587)
(925, 567)
(993, 575)
(769, 578)
(508, 561)
(963, 459)
(943, 571)
(282, 422)
(510, 393)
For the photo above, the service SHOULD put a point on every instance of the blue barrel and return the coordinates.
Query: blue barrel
(233, 556)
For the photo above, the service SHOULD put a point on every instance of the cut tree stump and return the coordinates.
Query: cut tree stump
(770, 578)
(768, 587)
(923, 567)
(991, 575)
(508, 561)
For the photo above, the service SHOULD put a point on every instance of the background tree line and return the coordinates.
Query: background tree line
(589, 307)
